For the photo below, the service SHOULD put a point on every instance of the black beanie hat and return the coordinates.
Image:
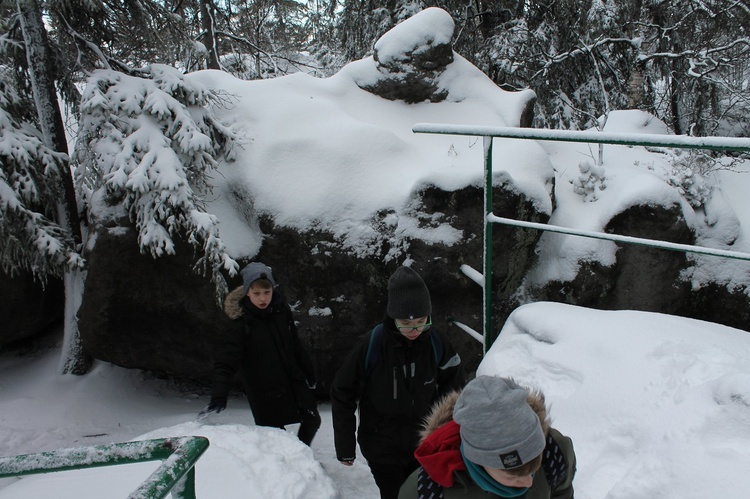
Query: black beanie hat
(408, 296)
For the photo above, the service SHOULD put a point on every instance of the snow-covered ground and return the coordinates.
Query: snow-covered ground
(41, 411)
(656, 405)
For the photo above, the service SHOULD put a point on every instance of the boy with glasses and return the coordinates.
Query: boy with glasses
(414, 366)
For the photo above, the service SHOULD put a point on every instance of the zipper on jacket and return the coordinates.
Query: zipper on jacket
(395, 383)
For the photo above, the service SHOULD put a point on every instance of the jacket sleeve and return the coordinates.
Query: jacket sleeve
(345, 392)
(227, 354)
(300, 353)
(451, 375)
(565, 489)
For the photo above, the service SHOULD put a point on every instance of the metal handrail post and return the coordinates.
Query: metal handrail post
(176, 472)
(487, 260)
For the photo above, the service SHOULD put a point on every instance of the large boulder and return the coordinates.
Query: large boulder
(643, 278)
(28, 306)
(414, 59)
(301, 200)
(152, 314)
(412, 55)
(159, 315)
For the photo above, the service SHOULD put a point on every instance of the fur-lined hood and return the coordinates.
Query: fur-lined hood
(442, 412)
(232, 303)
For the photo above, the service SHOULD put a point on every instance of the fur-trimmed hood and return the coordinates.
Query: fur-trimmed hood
(233, 303)
(442, 412)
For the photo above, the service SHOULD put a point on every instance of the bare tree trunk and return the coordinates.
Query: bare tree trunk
(636, 94)
(207, 21)
(38, 55)
(674, 105)
(39, 58)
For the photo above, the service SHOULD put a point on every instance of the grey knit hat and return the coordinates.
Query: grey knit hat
(408, 296)
(499, 429)
(254, 271)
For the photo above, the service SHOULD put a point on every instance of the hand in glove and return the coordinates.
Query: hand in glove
(215, 406)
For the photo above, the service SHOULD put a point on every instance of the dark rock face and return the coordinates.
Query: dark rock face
(27, 308)
(158, 315)
(412, 78)
(643, 278)
(153, 314)
(714, 303)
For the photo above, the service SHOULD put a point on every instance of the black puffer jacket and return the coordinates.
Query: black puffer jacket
(274, 368)
(395, 396)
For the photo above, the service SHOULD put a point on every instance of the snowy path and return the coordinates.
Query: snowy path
(41, 411)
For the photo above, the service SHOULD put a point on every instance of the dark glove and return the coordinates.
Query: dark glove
(216, 405)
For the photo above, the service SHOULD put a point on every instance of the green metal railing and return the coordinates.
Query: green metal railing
(176, 474)
(631, 139)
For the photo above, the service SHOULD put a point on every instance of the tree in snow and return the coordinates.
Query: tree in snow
(688, 171)
(31, 180)
(39, 201)
(150, 141)
(362, 22)
(686, 62)
(160, 176)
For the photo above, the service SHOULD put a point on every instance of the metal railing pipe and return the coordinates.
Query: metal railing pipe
(589, 137)
(176, 474)
(654, 243)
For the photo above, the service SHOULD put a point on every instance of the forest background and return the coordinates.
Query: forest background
(684, 61)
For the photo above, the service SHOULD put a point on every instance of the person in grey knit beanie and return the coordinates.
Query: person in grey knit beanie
(254, 271)
(498, 427)
(492, 439)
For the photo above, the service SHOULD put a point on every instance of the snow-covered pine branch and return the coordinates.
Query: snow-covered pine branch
(152, 142)
(30, 190)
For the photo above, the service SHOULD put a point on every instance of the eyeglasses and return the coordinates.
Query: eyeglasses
(421, 327)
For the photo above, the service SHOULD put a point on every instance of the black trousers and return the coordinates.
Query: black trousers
(390, 477)
(309, 425)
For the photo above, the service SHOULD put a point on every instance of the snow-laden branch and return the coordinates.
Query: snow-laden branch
(702, 53)
(584, 50)
(153, 143)
(702, 61)
(30, 189)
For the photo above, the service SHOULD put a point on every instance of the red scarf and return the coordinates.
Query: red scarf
(440, 453)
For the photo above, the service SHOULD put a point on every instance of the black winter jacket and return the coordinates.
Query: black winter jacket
(394, 398)
(274, 368)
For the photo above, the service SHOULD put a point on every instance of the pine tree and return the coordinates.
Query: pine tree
(59, 195)
(149, 142)
(38, 199)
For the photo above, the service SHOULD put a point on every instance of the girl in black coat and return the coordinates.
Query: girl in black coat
(415, 365)
(262, 344)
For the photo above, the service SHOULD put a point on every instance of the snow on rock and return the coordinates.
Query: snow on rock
(430, 27)
(686, 381)
(323, 153)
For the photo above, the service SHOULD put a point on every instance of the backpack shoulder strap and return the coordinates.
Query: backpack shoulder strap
(437, 346)
(374, 349)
